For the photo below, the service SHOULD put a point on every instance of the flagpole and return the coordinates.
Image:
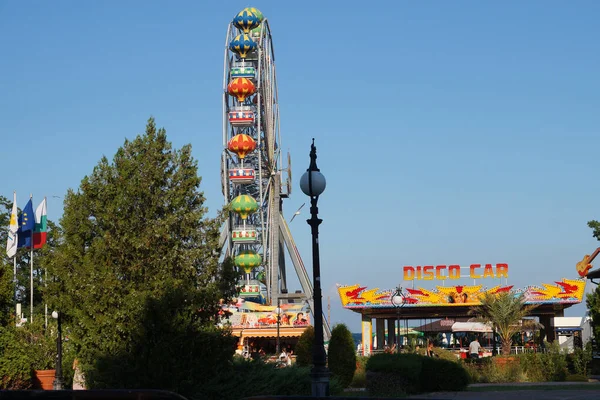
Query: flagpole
(15, 241)
(15, 275)
(46, 305)
(31, 284)
(18, 317)
(45, 277)
(15, 256)
(31, 274)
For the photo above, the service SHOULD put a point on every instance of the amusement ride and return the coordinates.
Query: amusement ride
(256, 234)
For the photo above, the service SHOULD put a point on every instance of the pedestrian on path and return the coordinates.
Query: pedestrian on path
(474, 348)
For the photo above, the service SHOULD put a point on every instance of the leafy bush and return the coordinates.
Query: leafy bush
(579, 361)
(360, 374)
(393, 374)
(438, 375)
(39, 345)
(341, 355)
(304, 347)
(247, 379)
(487, 370)
(550, 366)
(443, 354)
(534, 365)
(400, 374)
(530, 367)
(595, 366)
(576, 378)
(388, 384)
(15, 365)
(169, 350)
(556, 362)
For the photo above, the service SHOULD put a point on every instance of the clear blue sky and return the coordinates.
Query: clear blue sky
(449, 132)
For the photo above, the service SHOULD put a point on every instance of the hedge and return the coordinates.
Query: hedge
(405, 374)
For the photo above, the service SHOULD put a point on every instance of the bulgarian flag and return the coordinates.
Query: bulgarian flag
(41, 225)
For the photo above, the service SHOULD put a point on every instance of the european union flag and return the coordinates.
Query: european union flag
(26, 225)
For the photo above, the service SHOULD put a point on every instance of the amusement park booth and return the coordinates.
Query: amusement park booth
(450, 303)
(260, 326)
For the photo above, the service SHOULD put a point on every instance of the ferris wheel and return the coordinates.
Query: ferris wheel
(256, 234)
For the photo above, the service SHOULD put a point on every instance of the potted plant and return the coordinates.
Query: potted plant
(40, 347)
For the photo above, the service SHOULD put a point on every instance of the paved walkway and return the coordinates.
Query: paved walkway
(550, 392)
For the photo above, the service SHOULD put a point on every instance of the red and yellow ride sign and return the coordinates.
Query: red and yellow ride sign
(443, 272)
(566, 291)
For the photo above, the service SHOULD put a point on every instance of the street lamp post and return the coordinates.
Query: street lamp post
(58, 381)
(278, 313)
(398, 300)
(313, 184)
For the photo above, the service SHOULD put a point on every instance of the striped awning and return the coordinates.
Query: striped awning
(268, 332)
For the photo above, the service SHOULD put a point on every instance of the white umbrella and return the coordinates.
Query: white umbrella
(471, 327)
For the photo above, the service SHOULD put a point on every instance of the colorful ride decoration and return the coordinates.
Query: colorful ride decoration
(250, 290)
(255, 34)
(584, 265)
(243, 72)
(256, 12)
(241, 144)
(250, 314)
(244, 235)
(247, 260)
(241, 116)
(242, 175)
(241, 88)
(244, 205)
(246, 20)
(567, 291)
(242, 45)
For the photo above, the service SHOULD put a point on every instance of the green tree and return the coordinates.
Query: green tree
(505, 311)
(342, 356)
(6, 267)
(595, 225)
(304, 347)
(593, 299)
(136, 238)
(593, 305)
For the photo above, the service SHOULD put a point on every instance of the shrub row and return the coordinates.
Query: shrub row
(248, 379)
(553, 366)
(404, 374)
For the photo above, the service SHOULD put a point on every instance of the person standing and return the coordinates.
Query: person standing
(283, 357)
(474, 348)
(78, 378)
(429, 351)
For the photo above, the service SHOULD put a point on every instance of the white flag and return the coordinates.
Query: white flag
(13, 227)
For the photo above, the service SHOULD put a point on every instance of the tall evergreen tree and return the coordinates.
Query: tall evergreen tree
(342, 356)
(136, 238)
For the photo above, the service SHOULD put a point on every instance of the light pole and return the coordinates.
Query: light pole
(58, 381)
(313, 184)
(398, 300)
(278, 313)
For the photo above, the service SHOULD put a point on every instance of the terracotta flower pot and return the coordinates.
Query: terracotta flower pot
(44, 379)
